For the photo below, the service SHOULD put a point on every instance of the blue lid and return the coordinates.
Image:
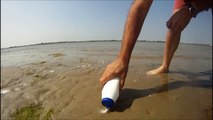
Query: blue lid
(107, 102)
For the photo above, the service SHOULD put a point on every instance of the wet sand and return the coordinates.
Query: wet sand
(65, 77)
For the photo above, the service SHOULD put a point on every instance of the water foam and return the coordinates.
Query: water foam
(5, 91)
(103, 111)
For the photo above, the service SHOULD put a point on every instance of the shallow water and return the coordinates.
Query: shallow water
(65, 76)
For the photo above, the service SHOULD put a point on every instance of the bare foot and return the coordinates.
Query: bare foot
(161, 69)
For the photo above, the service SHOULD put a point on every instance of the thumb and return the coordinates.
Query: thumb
(122, 82)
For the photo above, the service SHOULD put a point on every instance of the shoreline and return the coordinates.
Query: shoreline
(83, 41)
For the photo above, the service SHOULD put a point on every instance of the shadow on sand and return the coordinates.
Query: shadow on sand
(128, 95)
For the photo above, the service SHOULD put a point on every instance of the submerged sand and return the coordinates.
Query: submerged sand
(65, 77)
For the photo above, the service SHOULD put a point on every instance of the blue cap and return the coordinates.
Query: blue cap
(107, 102)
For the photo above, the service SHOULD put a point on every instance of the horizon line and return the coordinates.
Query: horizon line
(46, 43)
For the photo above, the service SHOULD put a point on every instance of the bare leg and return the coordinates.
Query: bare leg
(172, 42)
(177, 22)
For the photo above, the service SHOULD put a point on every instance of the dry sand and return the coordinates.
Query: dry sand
(65, 77)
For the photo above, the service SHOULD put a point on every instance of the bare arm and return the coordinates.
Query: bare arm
(136, 17)
(133, 27)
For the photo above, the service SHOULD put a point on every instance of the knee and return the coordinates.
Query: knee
(175, 31)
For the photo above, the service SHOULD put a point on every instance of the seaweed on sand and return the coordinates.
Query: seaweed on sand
(32, 112)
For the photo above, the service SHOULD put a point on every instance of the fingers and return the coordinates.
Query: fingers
(110, 72)
(116, 69)
(106, 76)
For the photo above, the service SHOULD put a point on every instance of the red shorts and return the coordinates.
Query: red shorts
(180, 3)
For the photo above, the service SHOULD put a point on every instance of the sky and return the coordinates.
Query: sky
(31, 22)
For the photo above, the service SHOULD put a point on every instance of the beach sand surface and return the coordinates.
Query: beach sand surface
(65, 77)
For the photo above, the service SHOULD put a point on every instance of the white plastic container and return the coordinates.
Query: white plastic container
(110, 93)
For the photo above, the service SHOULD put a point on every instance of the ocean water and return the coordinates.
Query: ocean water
(65, 77)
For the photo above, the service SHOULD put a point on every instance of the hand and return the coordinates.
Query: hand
(179, 20)
(117, 68)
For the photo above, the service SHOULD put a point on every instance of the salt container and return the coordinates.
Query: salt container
(110, 93)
